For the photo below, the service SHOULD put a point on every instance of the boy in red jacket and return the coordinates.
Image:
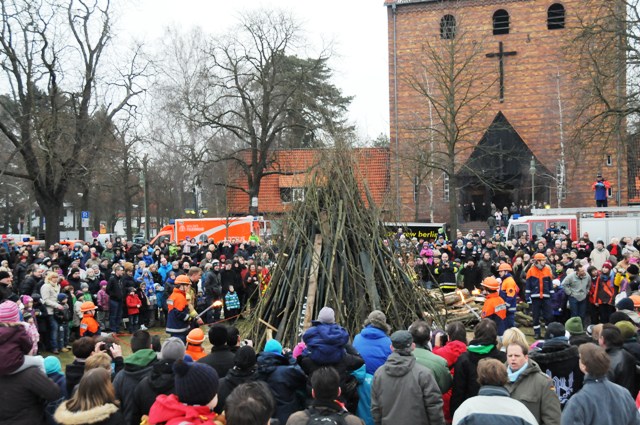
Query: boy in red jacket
(133, 309)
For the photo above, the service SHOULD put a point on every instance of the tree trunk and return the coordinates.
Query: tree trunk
(127, 218)
(253, 193)
(453, 206)
(51, 212)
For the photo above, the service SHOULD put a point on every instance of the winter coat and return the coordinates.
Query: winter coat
(28, 285)
(167, 409)
(160, 381)
(437, 365)
(582, 409)
(465, 378)
(493, 406)
(599, 257)
(325, 343)
(535, 390)
(24, 395)
(115, 289)
(622, 370)
(451, 351)
(136, 367)
(324, 408)
(577, 287)
(73, 373)
(107, 414)
(287, 382)
(103, 300)
(559, 361)
(374, 345)
(133, 304)
(221, 359)
(404, 389)
(14, 345)
(365, 382)
(234, 378)
(49, 294)
(538, 283)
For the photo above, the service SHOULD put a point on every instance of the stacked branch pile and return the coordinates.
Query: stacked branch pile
(333, 254)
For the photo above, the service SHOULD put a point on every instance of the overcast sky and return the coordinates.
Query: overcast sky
(356, 28)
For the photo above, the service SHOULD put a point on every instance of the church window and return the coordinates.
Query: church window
(500, 22)
(609, 193)
(445, 188)
(448, 27)
(609, 161)
(555, 17)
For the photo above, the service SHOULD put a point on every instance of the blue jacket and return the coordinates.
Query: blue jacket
(325, 343)
(365, 380)
(374, 346)
(287, 382)
(164, 271)
(601, 402)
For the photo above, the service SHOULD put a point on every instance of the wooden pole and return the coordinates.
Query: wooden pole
(313, 281)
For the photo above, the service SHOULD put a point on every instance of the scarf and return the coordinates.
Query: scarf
(513, 376)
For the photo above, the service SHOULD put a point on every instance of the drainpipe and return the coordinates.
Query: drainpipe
(395, 111)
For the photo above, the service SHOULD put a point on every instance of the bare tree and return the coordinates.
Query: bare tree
(53, 56)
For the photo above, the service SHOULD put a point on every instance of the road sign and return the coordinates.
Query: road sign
(85, 222)
(95, 234)
(85, 214)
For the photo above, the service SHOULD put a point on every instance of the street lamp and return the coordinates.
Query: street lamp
(532, 171)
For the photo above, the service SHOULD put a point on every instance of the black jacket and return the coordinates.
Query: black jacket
(234, 378)
(28, 285)
(161, 381)
(115, 288)
(287, 382)
(559, 361)
(221, 359)
(73, 373)
(622, 370)
(465, 378)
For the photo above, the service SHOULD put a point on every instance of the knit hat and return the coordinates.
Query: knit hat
(52, 365)
(401, 340)
(574, 326)
(627, 329)
(84, 285)
(4, 275)
(273, 346)
(245, 358)
(103, 283)
(26, 299)
(607, 264)
(327, 316)
(195, 383)
(618, 316)
(9, 312)
(625, 304)
(74, 270)
(633, 269)
(62, 297)
(554, 330)
(196, 336)
(172, 349)
(377, 319)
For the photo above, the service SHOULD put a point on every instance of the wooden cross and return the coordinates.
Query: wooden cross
(500, 55)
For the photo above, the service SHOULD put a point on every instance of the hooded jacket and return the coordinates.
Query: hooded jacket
(365, 381)
(287, 382)
(136, 367)
(435, 364)
(168, 410)
(325, 343)
(221, 359)
(24, 395)
(582, 409)
(324, 408)
(160, 381)
(403, 389)
(535, 390)
(465, 378)
(559, 361)
(493, 406)
(374, 345)
(14, 345)
(107, 414)
(451, 351)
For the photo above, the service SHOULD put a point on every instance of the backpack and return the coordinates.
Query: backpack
(317, 418)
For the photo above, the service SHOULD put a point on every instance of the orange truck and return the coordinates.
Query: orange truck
(234, 229)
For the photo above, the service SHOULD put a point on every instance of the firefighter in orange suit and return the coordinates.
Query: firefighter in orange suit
(494, 306)
(509, 293)
(180, 312)
(89, 325)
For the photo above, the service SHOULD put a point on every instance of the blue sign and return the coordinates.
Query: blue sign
(85, 214)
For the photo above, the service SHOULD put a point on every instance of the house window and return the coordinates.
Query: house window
(297, 194)
(500, 22)
(448, 27)
(609, 161)
(609, 193)
(285, 195)
(291, 194)
(555, 17)
(445, 188)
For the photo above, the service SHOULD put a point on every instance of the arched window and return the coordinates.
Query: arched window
(555, 17)
(448, 27)
(500, 22)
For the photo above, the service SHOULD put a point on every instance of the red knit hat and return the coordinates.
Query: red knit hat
(607, 264)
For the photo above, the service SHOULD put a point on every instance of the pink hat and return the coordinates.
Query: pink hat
(26, 299)
(9, 312)
(634, 260)
(299, 349)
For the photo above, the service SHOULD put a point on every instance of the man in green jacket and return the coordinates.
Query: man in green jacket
(529, 385)
(421, 335)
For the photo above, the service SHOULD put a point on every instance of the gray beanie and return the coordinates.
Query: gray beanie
(172, 349)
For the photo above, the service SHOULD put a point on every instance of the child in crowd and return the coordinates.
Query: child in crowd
(133, 309)
(32, 331)
(103, 305)
(86, 295)
(231, 303)
(63, 317)
(89, 325)
(195, 338)
(495, 307)
(53, 369)
(143, 317)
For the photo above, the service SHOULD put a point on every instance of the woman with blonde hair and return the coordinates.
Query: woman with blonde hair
(49, 293)
(94, 403)
(512, 335)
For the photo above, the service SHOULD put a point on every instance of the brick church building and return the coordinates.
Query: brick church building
(513, 120)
